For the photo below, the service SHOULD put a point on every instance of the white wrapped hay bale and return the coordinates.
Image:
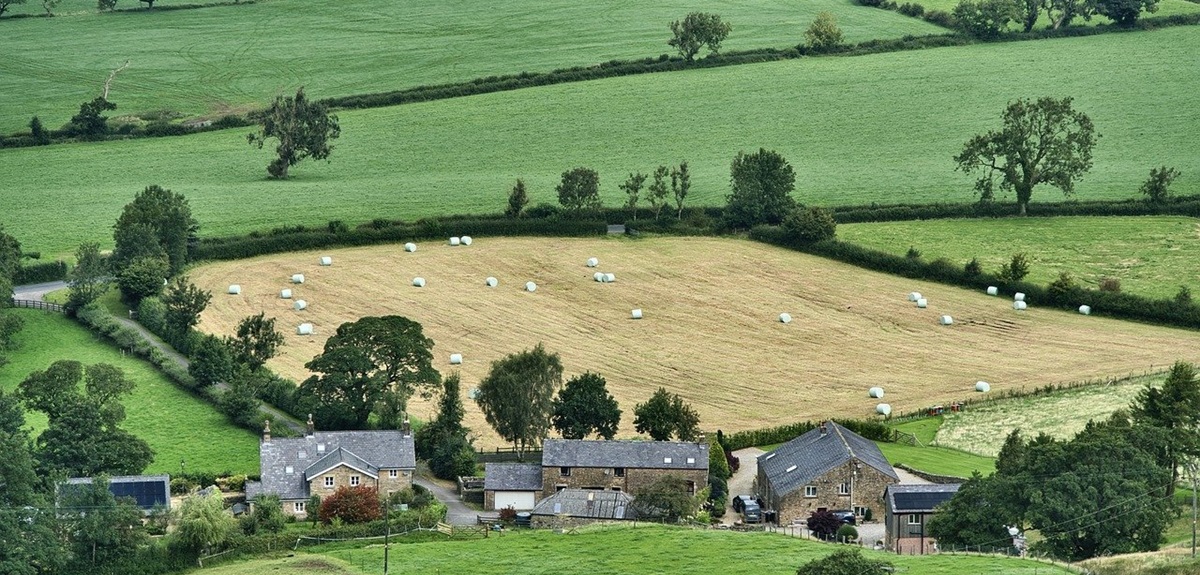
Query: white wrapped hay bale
(922, 303)
(326, 261)
(297, 278)
(456, 359)
(598, 276)
(1019, 296)
(914, 296)
(530, 286)
(593, 262)
(946, 320)
(875, 392)
(285, 294)
(993, 290)
(491, 282)
(419, 282)
(300, 305)
(454, 241)
(304, 329)
(1085, 309)
(466, 240)
(234, 289)
(982, 386)
(636, 314)
(785, 318)
(609, 278)
(883, 409)
(1020, 305)
(410, 247)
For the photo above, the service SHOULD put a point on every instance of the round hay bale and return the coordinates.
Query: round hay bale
(410, 247)
(1020, 305)
(299, 305)
(466, 240)
(326, 261)
(593, 262)
(304, 329)
(922, 303)
(491, 282)
(234, 289)
(285, 294)
(297, 278)
(636, 314)
(419, 282)
(598, 276)
(883, 409)
(1085, 309)
(914, 296)
(982, 386)
(530, 286)
(946, 320)
(1019, 296)
(785, 318)
(993, 290)
(609, 278)
(456, 359)
(875, 392)
(454, 241)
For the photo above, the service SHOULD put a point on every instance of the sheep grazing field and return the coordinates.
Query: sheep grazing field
(711, 330)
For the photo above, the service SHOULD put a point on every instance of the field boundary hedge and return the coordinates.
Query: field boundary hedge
(41, 273)
(873, 430)
(1176, 206)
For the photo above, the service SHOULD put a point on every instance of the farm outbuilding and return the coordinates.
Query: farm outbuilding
(513, 485)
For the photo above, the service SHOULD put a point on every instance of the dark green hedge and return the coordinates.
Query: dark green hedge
(872, 430)
(1180, 206)
(41, 273)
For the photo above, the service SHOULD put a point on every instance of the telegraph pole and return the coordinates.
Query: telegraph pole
(1192, 469)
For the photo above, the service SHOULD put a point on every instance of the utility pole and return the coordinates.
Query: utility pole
(387, 534)
(1192, 469)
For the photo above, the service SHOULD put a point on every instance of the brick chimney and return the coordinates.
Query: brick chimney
(311, 427)
(823, 429)
(266, 438)
(405, 427)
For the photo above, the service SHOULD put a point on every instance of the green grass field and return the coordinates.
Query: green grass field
(175, 424)
(1151, 255)
(879, 128)
(644, 549)
(1165, 8)
(937, 460)
(217, 59)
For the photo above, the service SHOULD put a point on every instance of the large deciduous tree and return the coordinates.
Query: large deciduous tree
(203, 523)
(665, 415)
(184, 302)
(90, 123)
(696, 30)
(517, 394)
(30, 545)
(584, 406)
(1173, 407)
(762, 184)
(303, 128)
(579, 190)
(986, 18)
(89, 279)
(157, 222)
(362, 362)
(99, 527)
(256, 341)
(823, 34)
(1042, 142)
(1123, 12)
(211, 361)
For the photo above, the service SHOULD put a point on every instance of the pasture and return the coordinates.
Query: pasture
(611, 549)
(880, 128)
(710, 332)
(214, 60)
(177, 425)
(1152, 256)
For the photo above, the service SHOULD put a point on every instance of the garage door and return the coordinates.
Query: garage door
(519, 500)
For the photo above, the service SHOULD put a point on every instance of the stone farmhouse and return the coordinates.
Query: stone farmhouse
(322, 461)
(828, 468)
(908, 509)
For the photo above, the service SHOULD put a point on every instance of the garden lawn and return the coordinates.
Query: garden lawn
(1151, 255)
(880, 128)
(177, 425)
(232, 58)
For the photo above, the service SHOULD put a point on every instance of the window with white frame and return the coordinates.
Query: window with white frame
(844, 489)
(810, 490)
(328, 482)
(353, 481)
(393, 473)
(299, 506)
(914, 519)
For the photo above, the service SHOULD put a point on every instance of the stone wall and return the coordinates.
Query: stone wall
(606, 478)
(868, 486)
(341, 478)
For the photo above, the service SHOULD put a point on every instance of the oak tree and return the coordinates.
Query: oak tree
(665, 415)
(303, 129)
(762, 184)
(696, 30)
(584, 406)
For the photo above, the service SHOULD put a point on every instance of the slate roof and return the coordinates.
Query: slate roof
(587, 503)
(147, 490)
(912, 498)
(512, 477)
(341, 456)
(814, 454)
(376, 449)
(634, 454)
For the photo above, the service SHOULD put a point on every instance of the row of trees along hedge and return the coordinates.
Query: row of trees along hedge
(1176, 206)
(872, 430)
(1177, 312)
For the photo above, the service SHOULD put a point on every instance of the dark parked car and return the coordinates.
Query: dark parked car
(739, 502)
(752, 512)
(846, 516)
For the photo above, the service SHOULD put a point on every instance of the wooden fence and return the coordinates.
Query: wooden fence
(34, 304)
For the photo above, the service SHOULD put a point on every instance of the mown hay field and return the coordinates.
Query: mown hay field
(711, 331)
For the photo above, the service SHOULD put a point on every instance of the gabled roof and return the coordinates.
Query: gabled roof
(805, 458)
(147, 490)
(912, 498)
(635, 454)
(341, 456)
(588, 503)
(374, 449)
(512, 477)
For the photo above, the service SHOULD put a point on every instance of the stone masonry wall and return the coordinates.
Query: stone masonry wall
(869, 485)
(605, 478)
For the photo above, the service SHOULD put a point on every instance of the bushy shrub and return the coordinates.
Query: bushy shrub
(912, 253)
(847, 533)
(182, 485)
(267, 517)
(351, 505)
(910, 9)
(808, 225)
(1064, 287)
(152, 313)
(1015, 270)
(973, 267)
(41, 273)
(1183, 296)
(1110, 284)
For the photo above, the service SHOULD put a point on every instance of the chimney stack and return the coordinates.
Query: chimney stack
(266, 431)
(310, 428)
(405, 428)
(823, 430)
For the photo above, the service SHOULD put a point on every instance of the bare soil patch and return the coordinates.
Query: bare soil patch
(710, 331)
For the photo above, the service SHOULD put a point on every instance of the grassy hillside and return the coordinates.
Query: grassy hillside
(710, 331)
(879, 128)
(1152, 256)
(177, 426)
(1165, 8)
(644, 549)
(224, 58)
